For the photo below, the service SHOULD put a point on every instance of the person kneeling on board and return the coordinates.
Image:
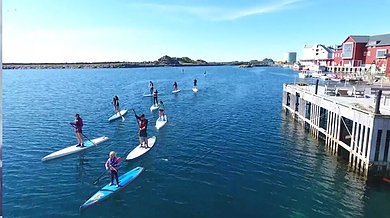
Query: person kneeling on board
(112, 164)
(161, 109)
(143, 127)
(78, 125)
(115, 102)
(155, 101)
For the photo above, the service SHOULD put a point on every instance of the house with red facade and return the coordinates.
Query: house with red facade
(364, 51)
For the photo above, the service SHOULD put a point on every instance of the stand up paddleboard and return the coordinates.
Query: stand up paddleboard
(109, 190)
(153, 107)
(161, 122)
(138, 151)
(73, 149)
(195, 90)
(116, 116)
(176, 91)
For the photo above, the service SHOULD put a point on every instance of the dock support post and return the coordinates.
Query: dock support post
(378, 102)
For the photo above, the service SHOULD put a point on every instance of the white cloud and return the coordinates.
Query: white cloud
(221, 13)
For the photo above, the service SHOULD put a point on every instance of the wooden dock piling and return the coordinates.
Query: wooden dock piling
(350, 126)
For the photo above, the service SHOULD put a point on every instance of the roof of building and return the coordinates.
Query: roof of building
(379, 40)
(360, 39)
(329, 50)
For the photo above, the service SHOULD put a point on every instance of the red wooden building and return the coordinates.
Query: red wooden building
(363, 51)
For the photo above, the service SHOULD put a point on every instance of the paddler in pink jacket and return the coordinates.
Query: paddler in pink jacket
(112, 164)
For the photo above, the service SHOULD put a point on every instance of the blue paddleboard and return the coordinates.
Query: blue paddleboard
(108, 190)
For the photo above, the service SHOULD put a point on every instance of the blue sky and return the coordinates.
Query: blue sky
(125, 30)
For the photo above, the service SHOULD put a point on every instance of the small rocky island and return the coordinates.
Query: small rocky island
(161, 62)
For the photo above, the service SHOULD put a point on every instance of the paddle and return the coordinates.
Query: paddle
(97, 180)
(136, 119)
(123, 119)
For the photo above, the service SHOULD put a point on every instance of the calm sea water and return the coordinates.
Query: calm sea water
(227, 151)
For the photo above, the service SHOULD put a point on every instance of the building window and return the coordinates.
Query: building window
(347, 50)
(368, 53)
(381, 53)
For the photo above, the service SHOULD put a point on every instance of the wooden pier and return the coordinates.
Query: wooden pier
(356, 127)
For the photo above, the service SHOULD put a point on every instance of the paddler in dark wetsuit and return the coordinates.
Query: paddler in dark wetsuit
(155, 101)
(115, 102)
(174, 86)
(143, 127)
(195, 83)
(151, 87)
(78, 125)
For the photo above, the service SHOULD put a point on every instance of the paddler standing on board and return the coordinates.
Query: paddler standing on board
(112, 164)
(174, 86)
(161, 109)
(151, 87)
(115, 102)
(143, 127)
(195, 83)
(78, 125)
(155, 101)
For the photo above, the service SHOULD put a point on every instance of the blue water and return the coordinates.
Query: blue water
(227, 151)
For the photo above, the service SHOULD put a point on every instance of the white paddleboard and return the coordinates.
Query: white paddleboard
(73, 149)
(138, 151)
(195, 89)
(176, 91)
(161, 122)
(116, 116)
(153, 107)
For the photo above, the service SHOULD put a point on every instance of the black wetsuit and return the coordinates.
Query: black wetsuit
(151, 85)
(155, 101)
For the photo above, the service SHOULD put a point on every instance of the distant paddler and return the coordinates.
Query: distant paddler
(175, 86)
(204, 74)
(151, 87)
(195, 84)
(155, 96)
(143, 127)
(115, 102)
(78, 125)
(117, 112)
